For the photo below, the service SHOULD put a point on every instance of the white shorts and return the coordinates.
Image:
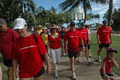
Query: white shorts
(55, 55)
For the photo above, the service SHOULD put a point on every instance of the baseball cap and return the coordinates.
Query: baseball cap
(112, 50)
(2, 21)
(105, 21)
(19, 23)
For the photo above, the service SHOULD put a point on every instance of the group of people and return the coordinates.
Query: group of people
(24, 52)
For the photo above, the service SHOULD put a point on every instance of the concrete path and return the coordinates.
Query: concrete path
(83, 70)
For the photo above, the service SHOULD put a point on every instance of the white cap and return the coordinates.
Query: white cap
(19, 23)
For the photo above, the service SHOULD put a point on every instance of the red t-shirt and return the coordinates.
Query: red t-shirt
(108, 67)
(84, 34)
(104, 34)
(25, 51)
(6, 41)
(54, 42)
(73, 38)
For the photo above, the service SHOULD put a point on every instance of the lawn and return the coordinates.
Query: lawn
(115, 44)
(94, 48)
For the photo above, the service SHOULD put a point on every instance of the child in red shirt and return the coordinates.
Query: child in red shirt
(108, 62)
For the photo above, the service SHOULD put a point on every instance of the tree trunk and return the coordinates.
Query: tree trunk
(84, 4)
(110, 12)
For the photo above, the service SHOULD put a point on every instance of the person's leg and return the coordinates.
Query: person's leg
(87, 54)
(72, 63)
(26, 78)
(99, 51)
(38, 78)
(0, 73)
(57, 57)
(9, 73)
(89, 50)
(8, 63)
(79, 53)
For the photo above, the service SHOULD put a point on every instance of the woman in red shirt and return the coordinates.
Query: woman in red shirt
(27, 53)
(54, 44)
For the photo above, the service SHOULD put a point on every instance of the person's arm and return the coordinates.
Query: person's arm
(48, 69)
(15, 74)
(115, 63)
(98, 39)
(110, 37)
(104, 70)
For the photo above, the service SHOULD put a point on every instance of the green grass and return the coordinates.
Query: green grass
(115, 44)
(94, 48)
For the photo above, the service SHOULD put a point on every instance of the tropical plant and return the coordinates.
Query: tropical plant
(12, 9)
(71, 4)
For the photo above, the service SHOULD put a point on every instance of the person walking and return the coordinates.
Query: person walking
(28, 52)
(72, 39)
(54, 45)
(85, 37)
(7, 37)
(103, 38)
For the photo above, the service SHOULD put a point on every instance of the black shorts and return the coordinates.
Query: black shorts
(85, 45)
(7, 63)
(104, 45)
(72, 54)
(41, 72)
(88, 46)
(109, 74)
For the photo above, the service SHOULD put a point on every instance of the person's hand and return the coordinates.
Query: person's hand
(106, 77)
(48, 69)
(99, 42)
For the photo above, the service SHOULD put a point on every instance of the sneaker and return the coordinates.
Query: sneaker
(78, 61)
(74, 76)
(89, 63)
(56, 75)
(99, 60)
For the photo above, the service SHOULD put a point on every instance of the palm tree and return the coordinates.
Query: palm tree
(110, 12)
(71, 4)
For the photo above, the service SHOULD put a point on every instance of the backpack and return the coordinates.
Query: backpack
(42, 57)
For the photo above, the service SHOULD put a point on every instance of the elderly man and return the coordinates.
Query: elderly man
(7, 37)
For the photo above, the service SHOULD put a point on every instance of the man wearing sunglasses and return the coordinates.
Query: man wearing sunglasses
(7, 37)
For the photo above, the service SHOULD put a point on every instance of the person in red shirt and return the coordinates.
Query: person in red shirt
(27, 53)
(55, 44)
(85, 37)
(108, 62)
(103, 38)
(7, 37)
(72, 37)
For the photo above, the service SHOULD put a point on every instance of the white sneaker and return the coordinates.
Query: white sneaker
(78, 60)
(99, 59)
(56, 74)
(74, 76)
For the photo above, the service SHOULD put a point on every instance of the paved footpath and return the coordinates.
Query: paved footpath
(83, 70)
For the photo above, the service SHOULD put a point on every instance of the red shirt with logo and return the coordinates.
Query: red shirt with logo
(25, 51)
(73, 38)
(104, 34)
(108, 66)
(6, 41)
(84, 34)
(54, 42)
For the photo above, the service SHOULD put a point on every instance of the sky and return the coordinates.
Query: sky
(96, 8)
